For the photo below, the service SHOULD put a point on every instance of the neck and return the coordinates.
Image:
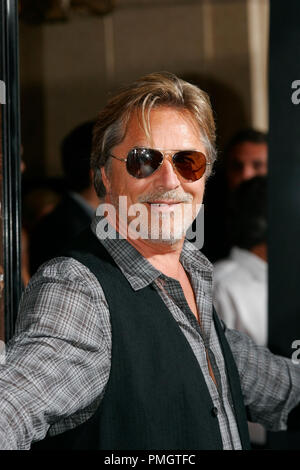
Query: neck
(261, 251)
(163, 256)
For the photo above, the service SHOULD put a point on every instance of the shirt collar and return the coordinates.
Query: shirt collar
(138, 271)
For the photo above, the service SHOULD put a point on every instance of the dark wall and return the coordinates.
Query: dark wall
(284, 188)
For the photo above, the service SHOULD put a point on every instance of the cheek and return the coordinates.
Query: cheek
(118, 180)
(125, 185)
(197, 191)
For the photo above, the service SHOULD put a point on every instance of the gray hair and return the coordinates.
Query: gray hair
(151, 91)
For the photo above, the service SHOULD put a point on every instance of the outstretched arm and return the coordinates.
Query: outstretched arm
(270, 383)
(57, 364)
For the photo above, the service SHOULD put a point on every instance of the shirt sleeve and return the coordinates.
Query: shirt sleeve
(270, 384)
(58, 362)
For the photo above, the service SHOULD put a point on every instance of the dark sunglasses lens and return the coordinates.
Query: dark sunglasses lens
(142, 162)
(190, 164)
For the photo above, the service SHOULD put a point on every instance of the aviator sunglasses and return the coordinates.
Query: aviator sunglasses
(142, 162)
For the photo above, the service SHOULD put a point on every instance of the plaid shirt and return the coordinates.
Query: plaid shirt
(58, 362)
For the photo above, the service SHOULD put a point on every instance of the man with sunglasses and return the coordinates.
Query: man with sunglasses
(117, 344)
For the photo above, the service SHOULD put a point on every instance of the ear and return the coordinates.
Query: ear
(105, 179)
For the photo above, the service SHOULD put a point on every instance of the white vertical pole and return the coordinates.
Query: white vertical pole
(258, 38)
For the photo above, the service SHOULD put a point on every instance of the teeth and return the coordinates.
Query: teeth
(161, 205)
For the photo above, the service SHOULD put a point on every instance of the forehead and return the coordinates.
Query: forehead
(163, 126)
(249, 151)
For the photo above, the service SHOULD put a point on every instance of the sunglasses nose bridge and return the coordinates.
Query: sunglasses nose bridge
(168, 155)
(168, 170)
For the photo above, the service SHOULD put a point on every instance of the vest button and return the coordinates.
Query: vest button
(214, 411)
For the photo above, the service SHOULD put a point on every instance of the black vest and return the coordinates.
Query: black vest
(156, 396)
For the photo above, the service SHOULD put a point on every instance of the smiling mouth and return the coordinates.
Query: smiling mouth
(164, 203)
(163, 206)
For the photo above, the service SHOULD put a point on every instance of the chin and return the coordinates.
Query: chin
(166, 237)
(171, 241)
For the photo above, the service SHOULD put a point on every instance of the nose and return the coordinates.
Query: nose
(247, 173)
(167, 176)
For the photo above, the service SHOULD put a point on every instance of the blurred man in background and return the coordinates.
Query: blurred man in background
(245, 156)
(78, 205)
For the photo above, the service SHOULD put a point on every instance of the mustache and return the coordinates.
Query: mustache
(172, 195)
